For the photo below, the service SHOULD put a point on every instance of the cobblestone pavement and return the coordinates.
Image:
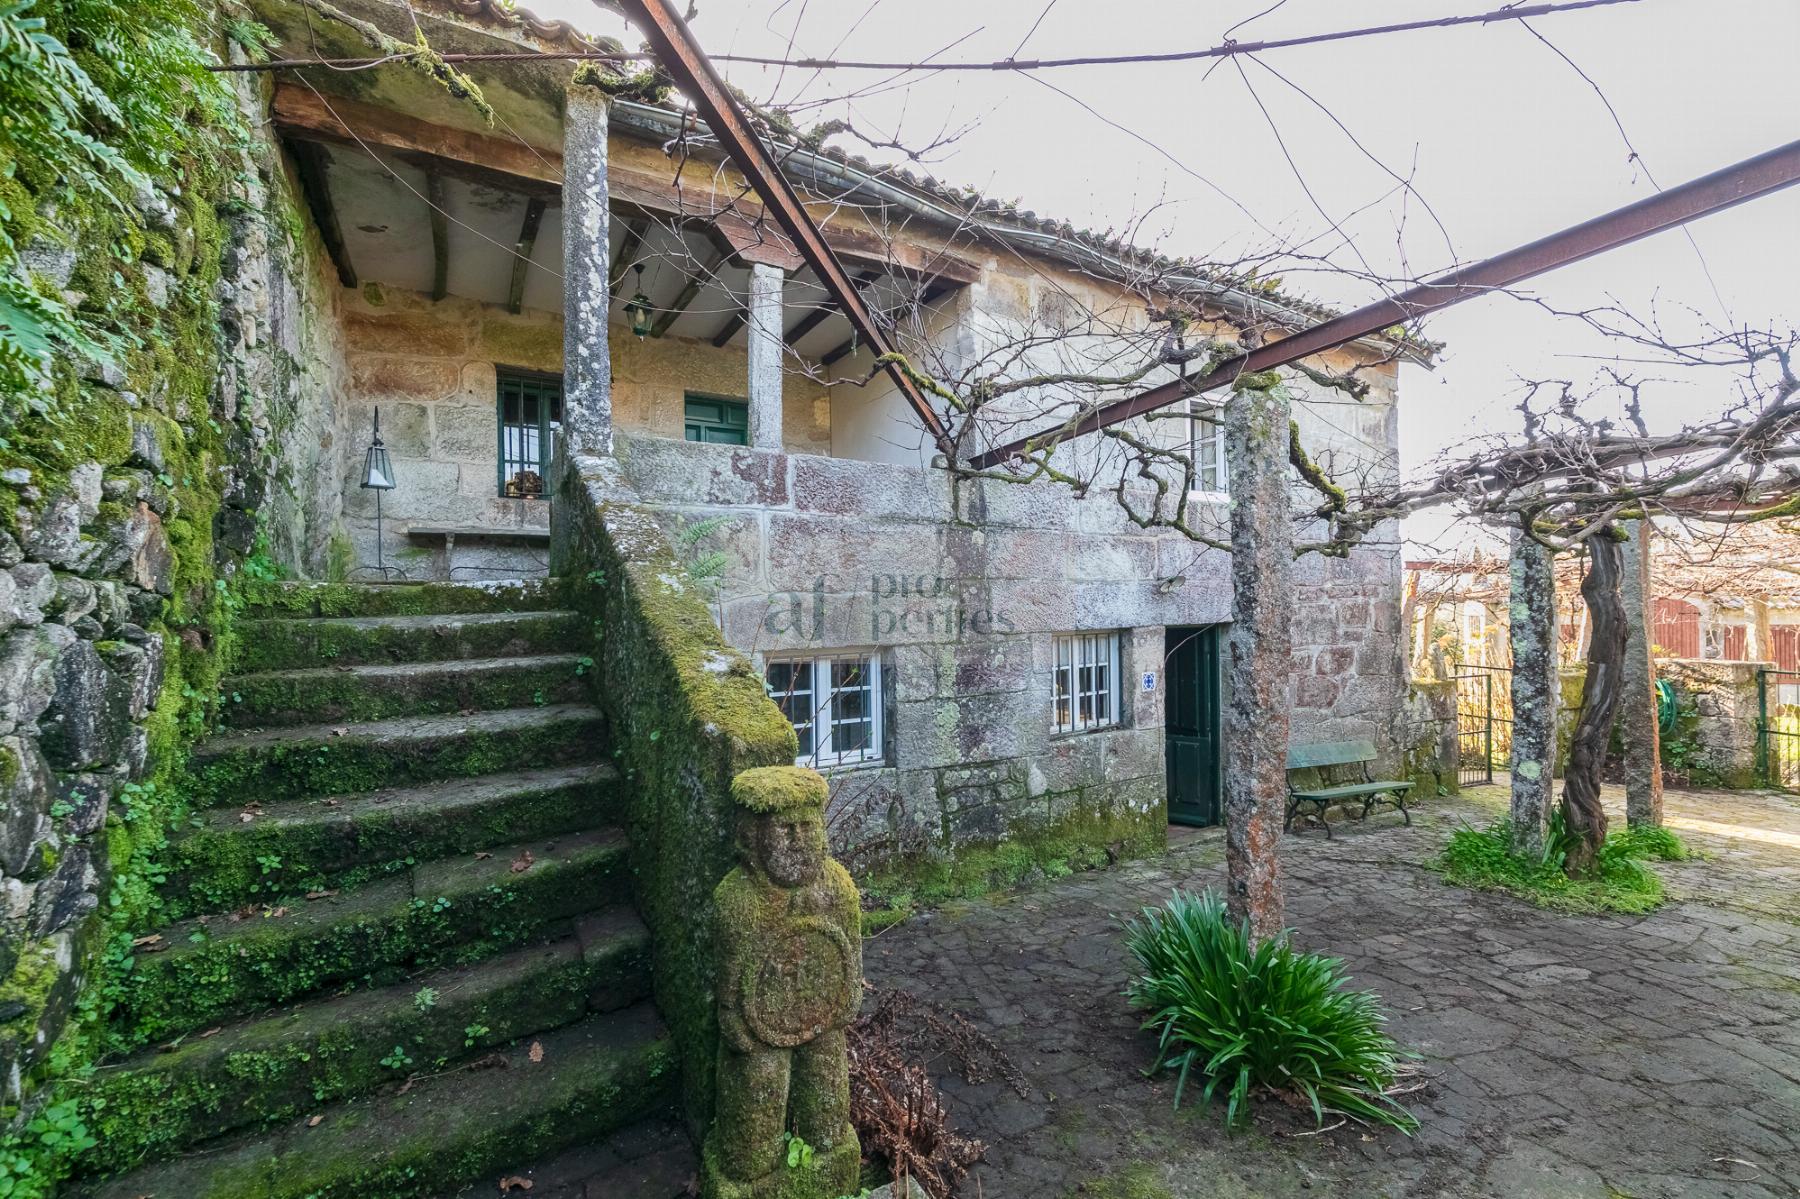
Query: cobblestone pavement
(1567, 1056)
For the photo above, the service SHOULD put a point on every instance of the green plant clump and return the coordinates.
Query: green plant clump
(1618, 881)
(1262, 1015)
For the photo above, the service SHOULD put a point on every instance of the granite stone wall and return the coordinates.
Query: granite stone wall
(128, 499)
(960, 591)
(1714, 742)
(430, 368)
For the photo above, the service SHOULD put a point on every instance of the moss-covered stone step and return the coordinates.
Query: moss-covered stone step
(276, 698)
(276, 1067)
(568, 1087)
(287, 644)
(286, 849)
(272, 765)
(437, 914)
(400, 599)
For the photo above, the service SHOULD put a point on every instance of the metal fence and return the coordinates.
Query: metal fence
(1778, 728)
(1483, 722)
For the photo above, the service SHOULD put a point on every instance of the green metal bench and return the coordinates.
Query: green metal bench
(1328, 756)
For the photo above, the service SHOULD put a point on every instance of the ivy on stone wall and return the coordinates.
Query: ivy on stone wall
(124, 164)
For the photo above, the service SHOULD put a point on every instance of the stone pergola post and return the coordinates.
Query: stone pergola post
(1532, 621)
(1259, 650)
(763, 331)
(1637, 708)
(587, 426)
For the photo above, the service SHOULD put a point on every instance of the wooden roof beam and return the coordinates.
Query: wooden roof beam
(310, 166)
(437, 205)
(708, 272)
(507, 164)
(528, 232)
(628, 248)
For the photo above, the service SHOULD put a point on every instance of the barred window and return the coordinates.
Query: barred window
(530, 410)
(1085, 682)
(834, 704)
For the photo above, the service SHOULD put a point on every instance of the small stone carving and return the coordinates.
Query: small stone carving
(789, 952)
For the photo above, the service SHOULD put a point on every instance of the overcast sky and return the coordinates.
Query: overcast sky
(1503, 139)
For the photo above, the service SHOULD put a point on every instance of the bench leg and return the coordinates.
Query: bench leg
(1400, 802)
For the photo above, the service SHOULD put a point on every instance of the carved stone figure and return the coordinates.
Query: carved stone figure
(789, 953)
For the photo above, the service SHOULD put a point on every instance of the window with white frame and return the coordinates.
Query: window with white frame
(1085, 682)
(834, 704)
(1206, 445)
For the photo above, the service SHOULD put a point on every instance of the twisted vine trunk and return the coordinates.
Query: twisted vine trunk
(1600, 696)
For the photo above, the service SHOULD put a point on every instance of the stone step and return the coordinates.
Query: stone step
(277, 1067)
(287, 849)
(301, 644)
(272, 699)
(590, 1079)
(436, 914)
(400, 599)
(653, 1159)
(273, 765)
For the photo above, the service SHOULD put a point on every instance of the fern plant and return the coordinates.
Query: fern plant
(1249, 1015)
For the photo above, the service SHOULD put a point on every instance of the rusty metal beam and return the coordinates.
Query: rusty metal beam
(682, 57)
(1712, 193)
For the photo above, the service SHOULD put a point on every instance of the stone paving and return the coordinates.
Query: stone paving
(1566, 1056)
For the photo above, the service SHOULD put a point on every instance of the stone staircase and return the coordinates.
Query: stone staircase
(403, 959)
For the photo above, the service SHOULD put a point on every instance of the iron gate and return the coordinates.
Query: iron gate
(1778, 728)
(1483, 722)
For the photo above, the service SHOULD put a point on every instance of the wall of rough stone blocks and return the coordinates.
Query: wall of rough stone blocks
(430, 368)
(1722, 728)
(960, 590)
(109, 567)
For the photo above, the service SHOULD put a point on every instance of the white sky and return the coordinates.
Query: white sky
(1504, 140)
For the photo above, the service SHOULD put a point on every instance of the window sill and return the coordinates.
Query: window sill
(844, 767)
(1069, 734)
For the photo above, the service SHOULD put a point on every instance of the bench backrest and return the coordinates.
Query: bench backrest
(1330, 753)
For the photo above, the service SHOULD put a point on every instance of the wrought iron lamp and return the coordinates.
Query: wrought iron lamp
(638, 309)
(378, 476)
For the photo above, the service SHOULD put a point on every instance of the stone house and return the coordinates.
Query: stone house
(970, 664)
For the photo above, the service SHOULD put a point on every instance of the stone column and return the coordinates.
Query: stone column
(763, 330)
(1532, 620)
(1259, 650)
(587, 426)
(1637, 707)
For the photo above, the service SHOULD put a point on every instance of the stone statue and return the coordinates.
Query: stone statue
(789, 953)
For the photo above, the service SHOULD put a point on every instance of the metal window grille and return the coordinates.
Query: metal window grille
(1206, 446)
(1085, 682)
(530, 411)
(838, 723)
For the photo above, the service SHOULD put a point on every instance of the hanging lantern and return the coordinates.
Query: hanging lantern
(637, 309)
(378, 475)
(378, 469)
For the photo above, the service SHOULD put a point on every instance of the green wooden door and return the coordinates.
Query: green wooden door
(1191, 718)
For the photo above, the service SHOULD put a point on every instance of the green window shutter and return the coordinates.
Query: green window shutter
(717, 421)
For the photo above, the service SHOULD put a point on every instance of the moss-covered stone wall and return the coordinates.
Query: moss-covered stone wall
(687, 714)
(136, 484)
